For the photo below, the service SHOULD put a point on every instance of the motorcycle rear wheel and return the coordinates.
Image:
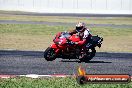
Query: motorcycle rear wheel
(88, 56)
(49, 54)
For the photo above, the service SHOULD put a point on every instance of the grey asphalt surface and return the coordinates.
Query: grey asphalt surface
(62, 24)
(14, 62)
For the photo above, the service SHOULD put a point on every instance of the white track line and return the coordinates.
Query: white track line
(34, 76)
(40, 76)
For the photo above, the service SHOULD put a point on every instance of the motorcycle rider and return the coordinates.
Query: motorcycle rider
(83, 32)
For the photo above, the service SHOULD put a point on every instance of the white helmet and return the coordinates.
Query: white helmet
(80, 26)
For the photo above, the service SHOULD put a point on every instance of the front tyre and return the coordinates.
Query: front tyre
(49, 54)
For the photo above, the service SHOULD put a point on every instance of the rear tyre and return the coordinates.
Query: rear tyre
(49, 54)
(89, 55)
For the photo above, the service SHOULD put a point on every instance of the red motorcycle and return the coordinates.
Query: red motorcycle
(64, 47)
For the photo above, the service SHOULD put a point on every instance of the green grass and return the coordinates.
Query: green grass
(30, 29)
(39, 29)
(53, 83)
(39, 37)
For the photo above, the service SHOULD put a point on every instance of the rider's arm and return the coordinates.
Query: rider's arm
(72, 32)
(86, 35)
(82, 42)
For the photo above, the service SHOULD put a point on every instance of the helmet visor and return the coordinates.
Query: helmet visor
(79, 29)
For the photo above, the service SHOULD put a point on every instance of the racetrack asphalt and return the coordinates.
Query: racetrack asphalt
(61, 24)
(13, 62)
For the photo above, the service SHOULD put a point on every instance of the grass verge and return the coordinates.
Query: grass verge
(39, 37)
(54, 83)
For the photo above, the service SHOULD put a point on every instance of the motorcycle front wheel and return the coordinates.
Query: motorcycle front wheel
(49, 54)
